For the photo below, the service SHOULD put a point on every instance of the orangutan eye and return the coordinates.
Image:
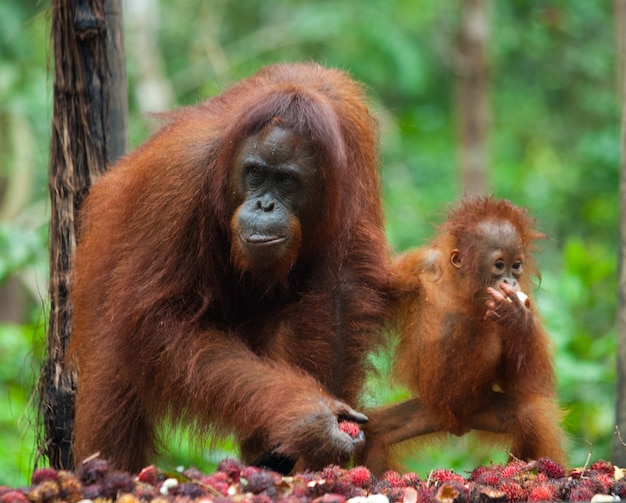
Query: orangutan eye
(254, 172)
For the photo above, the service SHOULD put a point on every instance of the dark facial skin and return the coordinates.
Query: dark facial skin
(502, 258)
(500, 262)
(281, 193)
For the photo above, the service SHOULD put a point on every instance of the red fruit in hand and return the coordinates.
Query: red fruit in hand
(350, 427)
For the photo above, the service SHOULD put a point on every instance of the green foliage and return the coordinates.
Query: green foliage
(17, 377)
(554, 147)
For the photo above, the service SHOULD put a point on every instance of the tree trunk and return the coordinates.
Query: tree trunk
(88, 131)
(619, 449)
(472, 77)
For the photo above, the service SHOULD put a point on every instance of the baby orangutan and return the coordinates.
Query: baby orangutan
(472, 348)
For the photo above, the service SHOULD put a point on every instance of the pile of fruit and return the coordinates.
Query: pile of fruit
(542, 480)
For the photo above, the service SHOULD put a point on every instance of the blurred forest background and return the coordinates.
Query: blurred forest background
(553, 146)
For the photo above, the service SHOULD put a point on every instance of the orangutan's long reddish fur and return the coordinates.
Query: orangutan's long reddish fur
(467, 368)
(167, 330)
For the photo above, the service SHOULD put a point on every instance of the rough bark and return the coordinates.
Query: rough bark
(88, 131)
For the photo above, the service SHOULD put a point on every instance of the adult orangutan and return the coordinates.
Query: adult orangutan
(231, 274)
(472, 348)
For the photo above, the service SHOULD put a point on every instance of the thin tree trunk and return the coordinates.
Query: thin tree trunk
(88, 130)
(619, 449)
(472, 78)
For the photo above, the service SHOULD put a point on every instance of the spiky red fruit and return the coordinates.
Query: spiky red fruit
(93, 471)
(333, 473)
(442, 475)
(411, 479)
(619, 488)
(350, 427)
(262, 482)
(92, 491)
(393, 477)
(603, 466)
(13, 497)
(478, 471)
(580, 493)
(543, 492)
(44, 474)
(489, 478)
(218, 481)
(359, 476)
(603, 482)
(117, 483)
(231, 467)
(189, 490)
(514, 469)
(514, 491)
(550, 468)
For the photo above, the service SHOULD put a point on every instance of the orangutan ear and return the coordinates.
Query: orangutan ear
(455, 260)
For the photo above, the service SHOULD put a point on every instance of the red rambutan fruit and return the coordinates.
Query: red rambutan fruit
(514, 469)
(443, 475)
(262, 481)
(248, 471)
(13, 497)
(411, 479)
(44, 474)
(92, 491)
(427, 494)
(93, 471)
(489, 478)
(359, 476)
(619, 488)
(580, 493)
(350, 427)
(478, 471)
(602, 466)
(514, 491)
(603, 483)
(231, 467)
(189, 490)
(333, 473)
(543, 492)
(393, 478)
(117, 483)
(217, 481)
(550, 468)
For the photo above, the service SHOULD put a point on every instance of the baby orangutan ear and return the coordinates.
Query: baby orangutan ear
(454, 258)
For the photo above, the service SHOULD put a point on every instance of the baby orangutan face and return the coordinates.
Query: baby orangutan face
(491, 258)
